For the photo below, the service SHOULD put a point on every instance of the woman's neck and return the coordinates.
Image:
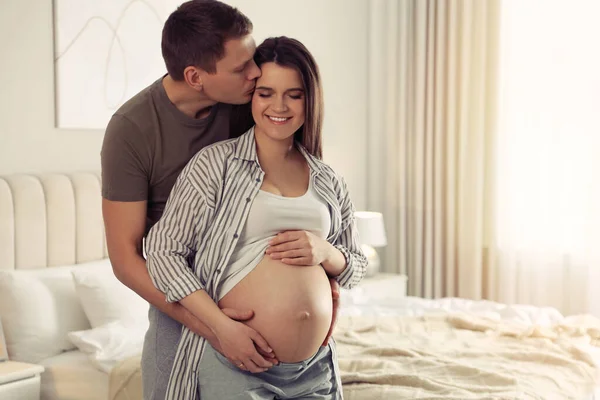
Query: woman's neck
(272, 153)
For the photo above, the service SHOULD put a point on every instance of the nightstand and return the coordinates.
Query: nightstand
(19, 381)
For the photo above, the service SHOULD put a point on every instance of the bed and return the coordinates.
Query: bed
(389, 347)
(50, 225)
(449, 349)
(71, 376)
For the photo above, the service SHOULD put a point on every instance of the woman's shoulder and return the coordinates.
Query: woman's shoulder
(216, 154)
(207, 166)
(334, 180)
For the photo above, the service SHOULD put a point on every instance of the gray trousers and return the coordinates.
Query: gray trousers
(158, 354)
(315, 378)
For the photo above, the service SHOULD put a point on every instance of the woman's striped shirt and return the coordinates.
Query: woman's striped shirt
(190, 246)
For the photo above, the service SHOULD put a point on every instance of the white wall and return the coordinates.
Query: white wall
(338, 40)
(28, 140)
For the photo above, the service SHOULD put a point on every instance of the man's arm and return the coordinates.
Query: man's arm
(125, 159)
(125, 224)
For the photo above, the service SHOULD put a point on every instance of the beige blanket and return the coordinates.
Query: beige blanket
(465, 357)
(447, 357)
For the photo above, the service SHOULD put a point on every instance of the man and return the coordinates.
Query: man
(208, 51)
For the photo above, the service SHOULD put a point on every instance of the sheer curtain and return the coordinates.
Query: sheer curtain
(432, 104)
(548, 155)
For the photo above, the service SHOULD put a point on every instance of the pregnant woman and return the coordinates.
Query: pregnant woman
(260, 222)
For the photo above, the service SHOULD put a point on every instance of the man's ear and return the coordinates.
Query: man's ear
(193, 77)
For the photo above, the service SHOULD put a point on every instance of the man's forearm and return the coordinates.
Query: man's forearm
(134, 274)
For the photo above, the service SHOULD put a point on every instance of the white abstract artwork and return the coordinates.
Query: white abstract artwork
(105, 52)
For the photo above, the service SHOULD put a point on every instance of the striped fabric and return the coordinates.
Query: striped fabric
(189, 247)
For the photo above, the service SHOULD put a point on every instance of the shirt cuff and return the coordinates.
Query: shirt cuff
(182, 287)
(344, 277)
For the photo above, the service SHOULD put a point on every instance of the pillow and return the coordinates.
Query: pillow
(38, 308)
(105, 299)
(110, 343)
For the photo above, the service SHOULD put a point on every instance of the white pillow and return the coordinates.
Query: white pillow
(105, 299)
(110, 343)
(38, 308)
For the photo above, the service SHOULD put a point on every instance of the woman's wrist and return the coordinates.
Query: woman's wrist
(335, 262)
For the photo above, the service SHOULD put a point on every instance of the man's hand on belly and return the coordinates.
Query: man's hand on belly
(239, 316)
(335, 295)
(239, 343)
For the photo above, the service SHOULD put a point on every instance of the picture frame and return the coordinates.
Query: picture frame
(3, 348)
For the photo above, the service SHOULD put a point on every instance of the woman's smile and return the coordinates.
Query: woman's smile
(278, 120)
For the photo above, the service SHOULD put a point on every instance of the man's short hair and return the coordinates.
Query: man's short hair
(195, 35)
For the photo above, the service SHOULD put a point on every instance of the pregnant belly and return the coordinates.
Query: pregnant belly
(292, 306)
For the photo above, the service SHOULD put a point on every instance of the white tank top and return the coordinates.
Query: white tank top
(269, 215)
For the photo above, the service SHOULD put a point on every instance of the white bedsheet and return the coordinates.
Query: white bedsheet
(377, 302)
(71, 376)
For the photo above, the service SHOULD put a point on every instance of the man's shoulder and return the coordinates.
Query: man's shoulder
(138, 104)
(132, 122)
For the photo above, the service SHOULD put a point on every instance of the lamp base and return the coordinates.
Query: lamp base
(372, 258)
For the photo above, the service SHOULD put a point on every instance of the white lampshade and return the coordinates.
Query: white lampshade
(370, 228)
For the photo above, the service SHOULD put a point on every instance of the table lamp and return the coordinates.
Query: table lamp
(371, 234)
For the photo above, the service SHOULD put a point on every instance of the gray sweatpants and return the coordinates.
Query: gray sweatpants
(158, 354)
(315, 378)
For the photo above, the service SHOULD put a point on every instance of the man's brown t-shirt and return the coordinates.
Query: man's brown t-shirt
(148, 141)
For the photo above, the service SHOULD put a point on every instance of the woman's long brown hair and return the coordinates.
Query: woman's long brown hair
(290, 53)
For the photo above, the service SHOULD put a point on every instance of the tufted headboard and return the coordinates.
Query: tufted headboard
(49, 220)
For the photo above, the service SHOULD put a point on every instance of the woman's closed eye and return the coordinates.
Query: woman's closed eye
(291, 96)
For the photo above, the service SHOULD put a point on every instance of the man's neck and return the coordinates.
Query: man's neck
(187, 100)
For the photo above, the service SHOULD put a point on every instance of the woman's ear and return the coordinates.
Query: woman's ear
(193, 77)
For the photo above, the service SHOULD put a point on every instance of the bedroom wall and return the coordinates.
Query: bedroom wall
(29, 142)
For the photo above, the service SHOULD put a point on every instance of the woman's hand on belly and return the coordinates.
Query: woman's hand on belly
(299, 248)
(305, 248)
(239, 342)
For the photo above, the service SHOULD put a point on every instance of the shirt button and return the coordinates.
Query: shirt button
(218, 270)
(248, 200)
(235, 235)
(257, 179)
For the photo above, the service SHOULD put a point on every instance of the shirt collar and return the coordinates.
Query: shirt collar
(246, 147)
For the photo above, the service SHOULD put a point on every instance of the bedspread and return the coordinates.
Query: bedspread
(462, 356)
